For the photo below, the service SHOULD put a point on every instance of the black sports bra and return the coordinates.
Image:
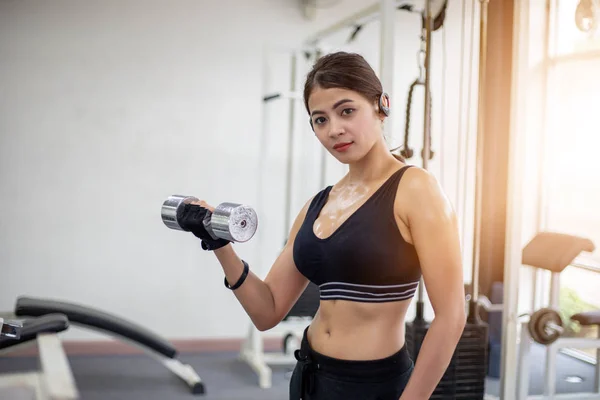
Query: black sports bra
(366, 259)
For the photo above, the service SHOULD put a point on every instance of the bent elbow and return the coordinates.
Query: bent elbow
(454, 321)
(460, 321)
(266, 325)
(263, 327)
(459, 315)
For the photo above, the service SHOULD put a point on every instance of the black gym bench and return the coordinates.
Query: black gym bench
(43, 319)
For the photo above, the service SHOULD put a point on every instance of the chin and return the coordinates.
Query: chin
(347, 158)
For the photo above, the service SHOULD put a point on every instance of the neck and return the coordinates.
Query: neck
(372, 166)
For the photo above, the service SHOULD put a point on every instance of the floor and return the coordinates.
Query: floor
(226, 378)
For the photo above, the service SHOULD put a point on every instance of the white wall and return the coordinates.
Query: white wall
(109, 107)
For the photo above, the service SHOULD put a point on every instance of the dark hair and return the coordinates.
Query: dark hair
(346, 71)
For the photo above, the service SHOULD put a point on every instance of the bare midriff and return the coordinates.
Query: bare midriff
(350, 330)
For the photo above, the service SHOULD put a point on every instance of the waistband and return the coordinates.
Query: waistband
(356, 370)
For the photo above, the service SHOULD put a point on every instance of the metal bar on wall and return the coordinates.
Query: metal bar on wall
(513, 250)
(366, 14)
(345, 23)
(480, 146)
(387, 54)
(290, 148)
(426, 124)
(542, 187)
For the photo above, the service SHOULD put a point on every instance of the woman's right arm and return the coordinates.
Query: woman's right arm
(267, 302)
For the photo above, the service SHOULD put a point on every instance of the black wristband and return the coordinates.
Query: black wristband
(242, 278)
(211, 245)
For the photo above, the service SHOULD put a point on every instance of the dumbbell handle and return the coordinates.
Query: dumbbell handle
(172, 208)
(229, 221)
(487, 305)
(551, 327)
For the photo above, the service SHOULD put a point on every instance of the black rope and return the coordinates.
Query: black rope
(407, 152)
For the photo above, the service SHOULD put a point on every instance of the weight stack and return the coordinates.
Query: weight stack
(465, 376)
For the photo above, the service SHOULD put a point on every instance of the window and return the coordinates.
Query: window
(566, 37)
(571, 183)
(572, 125)
(572, 173)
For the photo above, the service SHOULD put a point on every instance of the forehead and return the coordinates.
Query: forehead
(322, 99)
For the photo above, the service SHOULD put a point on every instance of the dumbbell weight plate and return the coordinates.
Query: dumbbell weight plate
(234, 222)
(538, 322)
(534, 332)
(172, 209)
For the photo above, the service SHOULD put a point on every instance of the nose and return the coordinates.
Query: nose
(336, 128)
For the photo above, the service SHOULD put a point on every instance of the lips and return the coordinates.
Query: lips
(342, 146)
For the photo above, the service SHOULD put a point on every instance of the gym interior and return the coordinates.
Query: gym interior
(111, 108)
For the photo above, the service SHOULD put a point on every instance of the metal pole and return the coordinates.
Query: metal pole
(323, 175)
(352, 19)
(263, 149)
(387, 56)
(554, 295)
(542, 166)
(473, 315)
(427, 112)
(426, 124)
(513, 251)
(386, 44)
(541, 184)
(290, 149)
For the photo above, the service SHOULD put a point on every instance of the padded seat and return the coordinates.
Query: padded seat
(587, 318)
(94, 318)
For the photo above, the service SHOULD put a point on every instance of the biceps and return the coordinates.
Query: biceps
(286, 282)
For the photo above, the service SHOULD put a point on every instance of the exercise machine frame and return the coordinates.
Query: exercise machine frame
(552, 349)
(553, 252)
(54, 379)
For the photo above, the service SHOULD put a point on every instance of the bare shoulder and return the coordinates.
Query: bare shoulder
(420, 193)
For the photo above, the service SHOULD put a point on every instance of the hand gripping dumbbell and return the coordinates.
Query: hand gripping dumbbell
(229, 221)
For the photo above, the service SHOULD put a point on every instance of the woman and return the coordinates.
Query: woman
(366, 241)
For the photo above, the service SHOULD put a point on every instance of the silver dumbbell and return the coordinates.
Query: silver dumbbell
(229, 221)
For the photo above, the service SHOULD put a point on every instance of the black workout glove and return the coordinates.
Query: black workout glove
(195, 219)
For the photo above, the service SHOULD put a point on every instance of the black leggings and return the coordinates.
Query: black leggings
(318, 377)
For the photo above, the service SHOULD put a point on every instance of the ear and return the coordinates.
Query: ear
(384, 104)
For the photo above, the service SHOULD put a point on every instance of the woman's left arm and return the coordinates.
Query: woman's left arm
(434, 233)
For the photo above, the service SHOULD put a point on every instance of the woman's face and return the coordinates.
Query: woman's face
(345, 122)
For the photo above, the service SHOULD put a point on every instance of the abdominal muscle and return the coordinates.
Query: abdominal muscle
(358, 331)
